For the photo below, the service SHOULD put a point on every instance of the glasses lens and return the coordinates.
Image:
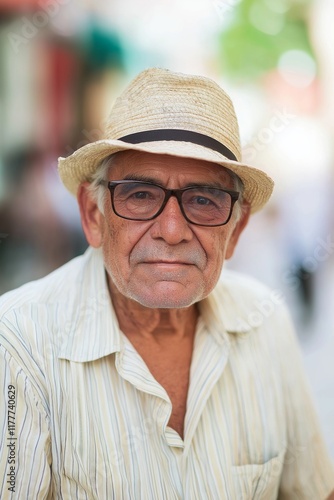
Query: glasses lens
(207, 206)
(137, 200)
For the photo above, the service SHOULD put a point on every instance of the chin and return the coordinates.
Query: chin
(167, 299)
(164, 304)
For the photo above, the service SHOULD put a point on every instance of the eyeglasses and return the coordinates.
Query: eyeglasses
(200, 205)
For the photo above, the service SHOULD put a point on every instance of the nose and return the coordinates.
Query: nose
(171, 225)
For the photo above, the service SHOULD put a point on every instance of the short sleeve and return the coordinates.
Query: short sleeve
(25, 454)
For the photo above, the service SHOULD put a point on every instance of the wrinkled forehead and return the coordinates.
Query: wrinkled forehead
(127, 163)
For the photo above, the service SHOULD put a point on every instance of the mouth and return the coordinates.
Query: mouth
(169, 263)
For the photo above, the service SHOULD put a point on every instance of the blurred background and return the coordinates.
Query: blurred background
(63, 62)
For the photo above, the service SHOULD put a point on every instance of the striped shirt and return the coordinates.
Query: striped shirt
(82, 417)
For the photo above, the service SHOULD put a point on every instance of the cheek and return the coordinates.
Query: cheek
(119, 239)
(216, 256)
(216, 252)
(115, 242)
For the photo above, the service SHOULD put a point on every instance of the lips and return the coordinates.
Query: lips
(169, 262)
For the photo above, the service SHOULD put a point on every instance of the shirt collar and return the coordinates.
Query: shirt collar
(226, 310)
(90, 329)
(234, 303)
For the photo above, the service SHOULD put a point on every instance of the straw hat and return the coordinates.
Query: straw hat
(163, 112)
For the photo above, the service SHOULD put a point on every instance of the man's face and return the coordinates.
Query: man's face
(166, 262)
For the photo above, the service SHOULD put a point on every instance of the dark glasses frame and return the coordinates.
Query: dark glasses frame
(111, 185)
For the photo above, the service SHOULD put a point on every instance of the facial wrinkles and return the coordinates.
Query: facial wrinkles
(151, 168)
(158, 251)
(129, 245)
(152, 252)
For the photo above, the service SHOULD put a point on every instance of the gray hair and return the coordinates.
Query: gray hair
(99, 192)
(97, 189)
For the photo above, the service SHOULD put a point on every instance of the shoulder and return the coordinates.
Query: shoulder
(34, 317)
(247, 304)
(235, 283)
(47, 290)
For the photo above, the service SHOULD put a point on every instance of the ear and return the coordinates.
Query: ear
(91, 218)
(239, 227)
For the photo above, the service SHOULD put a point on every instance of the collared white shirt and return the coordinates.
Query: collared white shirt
(89, 421)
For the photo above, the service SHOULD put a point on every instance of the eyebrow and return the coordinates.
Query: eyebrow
(140, 178)
(152, 180)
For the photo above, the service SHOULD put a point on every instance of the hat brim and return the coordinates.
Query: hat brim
(82, 164)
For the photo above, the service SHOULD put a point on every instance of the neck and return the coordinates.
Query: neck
(155, 324)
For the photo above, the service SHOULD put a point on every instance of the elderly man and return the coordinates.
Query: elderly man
(129, 373)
